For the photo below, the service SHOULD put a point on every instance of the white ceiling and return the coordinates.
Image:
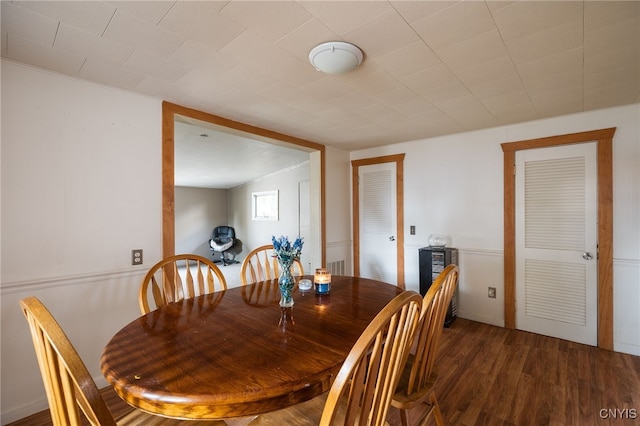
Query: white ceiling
(209, 157)
(431, 67)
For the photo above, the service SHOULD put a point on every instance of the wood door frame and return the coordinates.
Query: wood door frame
(355, 168)
(604, 139)
(169, 111)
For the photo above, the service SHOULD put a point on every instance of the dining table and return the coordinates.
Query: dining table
(236, 353)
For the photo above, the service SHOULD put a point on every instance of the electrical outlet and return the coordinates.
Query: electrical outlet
(136, 257)
(412, 230)
(492, 292)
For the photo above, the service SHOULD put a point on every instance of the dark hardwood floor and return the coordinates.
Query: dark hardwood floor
(494, 376)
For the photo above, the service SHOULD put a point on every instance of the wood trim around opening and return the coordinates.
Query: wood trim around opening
(169, 110)
(355, 164)
(604, 139)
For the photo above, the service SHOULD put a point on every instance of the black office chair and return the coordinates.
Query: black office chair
(222, 240)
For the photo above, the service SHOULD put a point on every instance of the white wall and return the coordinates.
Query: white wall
(454, 186)
(255, 233)
(81, 188)
(197, 212)
(337, 200)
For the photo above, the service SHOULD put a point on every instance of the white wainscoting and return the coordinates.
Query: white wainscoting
(338, 251)
(626, 300)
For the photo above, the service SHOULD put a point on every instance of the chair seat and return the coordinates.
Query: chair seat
(304, 414)
(404, 401)
(221, 244)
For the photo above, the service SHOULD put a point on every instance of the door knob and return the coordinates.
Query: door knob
(392, 238)
(587, 256)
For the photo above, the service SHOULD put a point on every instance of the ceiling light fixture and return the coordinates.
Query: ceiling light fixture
(335, 57)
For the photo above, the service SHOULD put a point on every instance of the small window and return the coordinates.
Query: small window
(264, 205)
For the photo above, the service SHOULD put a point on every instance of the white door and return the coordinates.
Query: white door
(377, 218)
(556, 242)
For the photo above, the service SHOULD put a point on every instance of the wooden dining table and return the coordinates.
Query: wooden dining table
(236, 353)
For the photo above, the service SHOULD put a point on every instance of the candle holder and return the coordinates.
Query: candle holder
(322, 281)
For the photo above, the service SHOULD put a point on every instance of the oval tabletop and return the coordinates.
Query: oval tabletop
(231, 354)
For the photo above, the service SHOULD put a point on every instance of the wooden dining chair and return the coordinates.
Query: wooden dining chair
(71, 392)
(416, 387)
(362, 390)
(261, 265)
(179, 277)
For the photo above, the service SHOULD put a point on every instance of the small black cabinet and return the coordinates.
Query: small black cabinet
(432, 261)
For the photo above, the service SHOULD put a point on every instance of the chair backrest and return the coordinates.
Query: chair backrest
(434, 309)
(372, 369)
(261, 265)
(68, 384)
(179, 277)
(223, 231)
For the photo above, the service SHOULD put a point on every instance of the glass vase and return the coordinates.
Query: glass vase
(286, 282)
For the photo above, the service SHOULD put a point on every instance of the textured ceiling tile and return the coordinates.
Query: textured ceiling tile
(20, 22)
(430, 79)
(146, 63)
(250, 48)
(193, 54)
(605, 13)
(404, 101)
(384, 33)
(109, 73)
(78, 42)
(525, 18)
(272, 20)
(569, 62)
(300, 41)
(500, 105)
(205, 24)
(620, 57)
(407, 60)
(610, 96)
(625, 77)
(24, 50)
(90, 16)
(344, 16)
(473, 116)
(127, 29)
(413, 11)
(326, 89)
(372, 82)
(516, 113)
(150, 11)
(620, 35)
(497, 86)
(556, 83)
(294, 72)
(472, 51)
(564, 37)
(455, 24)
(558, 106)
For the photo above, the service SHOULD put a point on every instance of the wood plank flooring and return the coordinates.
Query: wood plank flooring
(494, 376)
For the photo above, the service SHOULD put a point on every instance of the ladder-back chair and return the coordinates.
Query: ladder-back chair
(362, 390)
(416, 386)
(71, 392)
(179, 277)
(261, 265)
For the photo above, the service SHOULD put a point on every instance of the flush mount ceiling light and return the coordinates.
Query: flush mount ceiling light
(335, 57)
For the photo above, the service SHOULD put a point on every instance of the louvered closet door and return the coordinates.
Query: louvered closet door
(556, 247)
(378, 246)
